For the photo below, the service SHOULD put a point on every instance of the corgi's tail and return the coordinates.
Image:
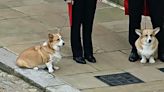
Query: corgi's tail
(21, 63)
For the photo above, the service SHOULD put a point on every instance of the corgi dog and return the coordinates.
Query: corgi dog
(147, 44)
(46, 54)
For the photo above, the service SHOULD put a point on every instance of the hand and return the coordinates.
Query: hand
(69, 1)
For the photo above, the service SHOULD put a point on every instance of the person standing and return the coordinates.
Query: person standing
(83, 12)
(156, 12)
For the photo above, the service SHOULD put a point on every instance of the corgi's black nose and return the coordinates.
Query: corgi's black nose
(63, 43)
(149, 41)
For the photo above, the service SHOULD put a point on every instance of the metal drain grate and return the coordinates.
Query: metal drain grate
(161, 69)
(119, 79)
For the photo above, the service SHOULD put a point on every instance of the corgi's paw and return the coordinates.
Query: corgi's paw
(51, 70)
(56, 68)
(36, 68)
(151, 61)
(143, 61)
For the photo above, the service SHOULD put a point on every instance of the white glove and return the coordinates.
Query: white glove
(69, 1)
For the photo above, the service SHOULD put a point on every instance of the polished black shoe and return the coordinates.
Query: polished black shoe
(91, 59)
(80, 60)
(133, 56)
(161, 57)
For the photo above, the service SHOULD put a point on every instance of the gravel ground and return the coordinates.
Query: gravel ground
(10, 83)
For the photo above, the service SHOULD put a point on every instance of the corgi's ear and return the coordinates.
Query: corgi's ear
(50, 37)
(58, 31)
(156, 30)
(138, 32)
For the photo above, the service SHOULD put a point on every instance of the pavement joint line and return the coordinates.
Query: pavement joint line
(13, 18)
(113, 4)
(104, 8)
(18, 11)
(41, 78)
(123, 52)
(33, 42)
(110, 51)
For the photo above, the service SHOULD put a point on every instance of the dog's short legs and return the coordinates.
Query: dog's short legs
(50, 67)
(56, 67)
(151, 60)
(143, 59)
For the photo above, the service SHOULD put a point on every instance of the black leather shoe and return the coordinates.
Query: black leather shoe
(91, 59)
(161, 57)
(80, 60)
(133, 56)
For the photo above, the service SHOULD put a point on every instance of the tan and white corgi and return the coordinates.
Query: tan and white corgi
(147, 44)
(46, 54)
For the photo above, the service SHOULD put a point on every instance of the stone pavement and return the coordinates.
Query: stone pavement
(24, 23)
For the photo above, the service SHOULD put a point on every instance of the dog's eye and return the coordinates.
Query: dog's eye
(151, 35)
(146, 35)
(58, 39)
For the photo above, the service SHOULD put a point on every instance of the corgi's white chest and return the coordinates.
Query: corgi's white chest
(56, 56)
(147, 51)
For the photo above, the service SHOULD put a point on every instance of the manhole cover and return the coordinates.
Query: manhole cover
(161, 69)
(119, 79)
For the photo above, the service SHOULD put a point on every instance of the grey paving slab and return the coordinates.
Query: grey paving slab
(110, 42)
(3, 1)
(23, 39)
(15, 31)
(99, 30)
(160, 65)
(2, 6)
(19, 3)
(61, 6)
(124, 35)
(110, 61)
(1, 18)
(107, 15)
(147, 74)
(10, 13)
(70, 67)
(116, 26)
(40, 9)
(83, 81)
(21, 25)
(52, 20)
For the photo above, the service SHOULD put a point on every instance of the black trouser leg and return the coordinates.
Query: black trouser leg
(89, 11)
(156, 14)
(75, 29)
(135, 12)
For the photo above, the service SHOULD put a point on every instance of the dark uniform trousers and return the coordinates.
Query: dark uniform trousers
(156, 12)
(82, 18)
